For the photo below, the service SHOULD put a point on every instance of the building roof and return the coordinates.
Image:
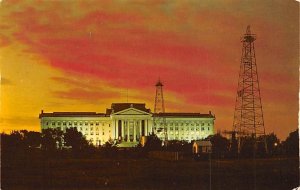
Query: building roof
(71, 114)
(202, 143)
(178, 114)
(116, 107)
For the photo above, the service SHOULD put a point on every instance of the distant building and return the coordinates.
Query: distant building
(126, 123)
(202, 146)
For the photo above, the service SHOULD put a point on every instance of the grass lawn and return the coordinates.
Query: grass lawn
(275, 173)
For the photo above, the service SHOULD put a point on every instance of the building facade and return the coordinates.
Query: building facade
(127, 123)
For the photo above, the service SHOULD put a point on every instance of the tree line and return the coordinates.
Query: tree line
(50, 141)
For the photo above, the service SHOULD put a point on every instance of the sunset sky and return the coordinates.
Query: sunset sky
(85, 55)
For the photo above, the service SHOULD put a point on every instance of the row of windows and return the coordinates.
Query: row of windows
(186, 124)
(92, 133)
(69, 123)
(89, 128)
(97, 132)
(187, 129)
(184, 138)
(176, 132)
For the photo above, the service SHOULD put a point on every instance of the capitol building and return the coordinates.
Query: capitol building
(128, 123)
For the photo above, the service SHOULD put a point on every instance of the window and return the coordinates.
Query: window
(202, 124)
(108, 125)
(91, 128)
(92, 133)
(92, 124)
(86, 123)
(80, 128)
(70, 123)
(207, 128)
(202, 128)
(80, 123)
(65, 123)
(53, 123)
(58, 123)
(171, 128)
(102, 133)
(176, 128)
(47, 123)
(97, 123)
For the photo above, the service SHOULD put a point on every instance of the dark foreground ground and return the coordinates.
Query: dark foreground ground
(97, 173)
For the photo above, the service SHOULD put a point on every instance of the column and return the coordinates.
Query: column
(116, 130)
(190, 135)
(147, 128)
(122, 130)
(128, 136)
(134, 131)
(140, 126)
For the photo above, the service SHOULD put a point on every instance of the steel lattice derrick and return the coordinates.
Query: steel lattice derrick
(248, 114)
(159, 120)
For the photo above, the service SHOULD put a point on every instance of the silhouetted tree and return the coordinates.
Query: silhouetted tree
(291, 144)
(75, 139)
(31, 139)
(272, 142)
(11, 142)
(153, 143)
(247, 147)
(220, 145)
(176, 145)
(233, 148)
(52, 139)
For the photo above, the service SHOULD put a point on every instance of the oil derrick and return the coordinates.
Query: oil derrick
(159, 120)
(248, 116)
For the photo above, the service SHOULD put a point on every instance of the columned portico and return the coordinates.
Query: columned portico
(130, 130)
(131, 122)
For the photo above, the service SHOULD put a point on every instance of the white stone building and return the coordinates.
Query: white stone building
(126, 123)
